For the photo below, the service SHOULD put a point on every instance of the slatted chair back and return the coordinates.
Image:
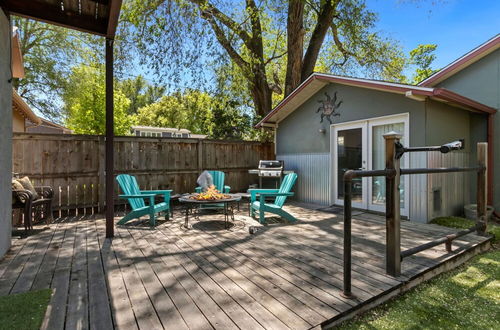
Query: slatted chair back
(218, 179)
(286, 187)
(129, 186)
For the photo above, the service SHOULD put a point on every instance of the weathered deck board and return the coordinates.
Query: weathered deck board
(283, 277)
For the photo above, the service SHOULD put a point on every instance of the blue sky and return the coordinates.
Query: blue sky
(456, 26)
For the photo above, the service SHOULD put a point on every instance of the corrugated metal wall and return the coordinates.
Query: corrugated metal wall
(313, 183)
(448, 193)
(418, 189)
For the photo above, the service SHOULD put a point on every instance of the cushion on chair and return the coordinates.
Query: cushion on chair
(27, 185)
(16, 185)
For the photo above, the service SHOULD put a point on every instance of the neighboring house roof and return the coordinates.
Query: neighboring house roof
(161, 129)
(47, 126)
(198, 136)
(461, 63)
(317, 81)
(20, 106)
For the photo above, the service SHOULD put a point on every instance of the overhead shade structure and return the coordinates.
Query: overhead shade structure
(99, 17)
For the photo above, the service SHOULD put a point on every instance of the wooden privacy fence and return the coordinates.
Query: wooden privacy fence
(73, 165)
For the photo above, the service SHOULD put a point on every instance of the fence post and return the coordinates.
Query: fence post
(482, 160)
(392, 200)
(200, 155)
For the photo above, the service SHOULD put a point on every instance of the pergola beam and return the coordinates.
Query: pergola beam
(53, 14)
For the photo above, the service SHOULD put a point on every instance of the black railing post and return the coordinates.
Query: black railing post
(110, 194)
(392, 197)
(482, 161)
(347, 236)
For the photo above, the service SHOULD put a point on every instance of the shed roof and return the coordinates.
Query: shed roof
(316, 81)
(93, 16)
(461, 63)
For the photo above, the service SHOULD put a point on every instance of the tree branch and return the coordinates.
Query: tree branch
(226, 44)
(207, 9)
(257, 46)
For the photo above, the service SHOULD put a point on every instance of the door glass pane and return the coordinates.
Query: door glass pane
(350, 157)
(378, 162)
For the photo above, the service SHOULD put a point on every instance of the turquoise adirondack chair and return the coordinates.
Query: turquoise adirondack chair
(258, 199)
(136, 197)
(218, 180)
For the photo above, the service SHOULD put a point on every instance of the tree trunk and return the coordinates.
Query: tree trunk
(261, 94)
(325, 17)
(295, 44)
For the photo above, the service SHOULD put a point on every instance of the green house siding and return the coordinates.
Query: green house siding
(445, 123)
(481, 82)
(300, 131)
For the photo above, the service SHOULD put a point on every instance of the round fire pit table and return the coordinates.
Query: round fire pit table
(193, 206)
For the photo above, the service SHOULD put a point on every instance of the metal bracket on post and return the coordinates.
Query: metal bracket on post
(392, 204)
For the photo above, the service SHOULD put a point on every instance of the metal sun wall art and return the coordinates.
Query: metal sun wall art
(329, 107)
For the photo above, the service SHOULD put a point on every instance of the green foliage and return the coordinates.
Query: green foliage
(48, 52)
(140, 92)
(24, 311)
(466, 298)
(190, 110)
(422, 58)
(201, 113)
(85, 103)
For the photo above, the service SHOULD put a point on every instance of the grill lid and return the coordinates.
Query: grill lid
(271, 165)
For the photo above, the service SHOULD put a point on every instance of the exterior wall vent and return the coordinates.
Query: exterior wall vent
(436, 200)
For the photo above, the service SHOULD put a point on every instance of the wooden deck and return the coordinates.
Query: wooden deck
(282, 277)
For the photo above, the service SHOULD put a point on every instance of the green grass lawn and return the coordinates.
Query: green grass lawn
(465, 298)
(462, 223)
(25, 310)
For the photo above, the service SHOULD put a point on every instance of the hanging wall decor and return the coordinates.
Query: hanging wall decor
(329, 107)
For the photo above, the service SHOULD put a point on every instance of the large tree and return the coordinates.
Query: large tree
(266, 39)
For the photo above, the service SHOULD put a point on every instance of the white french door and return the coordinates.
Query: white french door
(360, 145)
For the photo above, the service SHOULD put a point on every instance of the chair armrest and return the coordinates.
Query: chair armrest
(197, 190)
(262, 196)
(137, 196)
(254, 192)
(166, 193)
(276, 194)
(45, 191)
(23, 196)
(156, 192)
(227, 189)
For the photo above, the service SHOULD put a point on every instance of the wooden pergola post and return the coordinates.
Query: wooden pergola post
(392, 206)
(110, 203)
